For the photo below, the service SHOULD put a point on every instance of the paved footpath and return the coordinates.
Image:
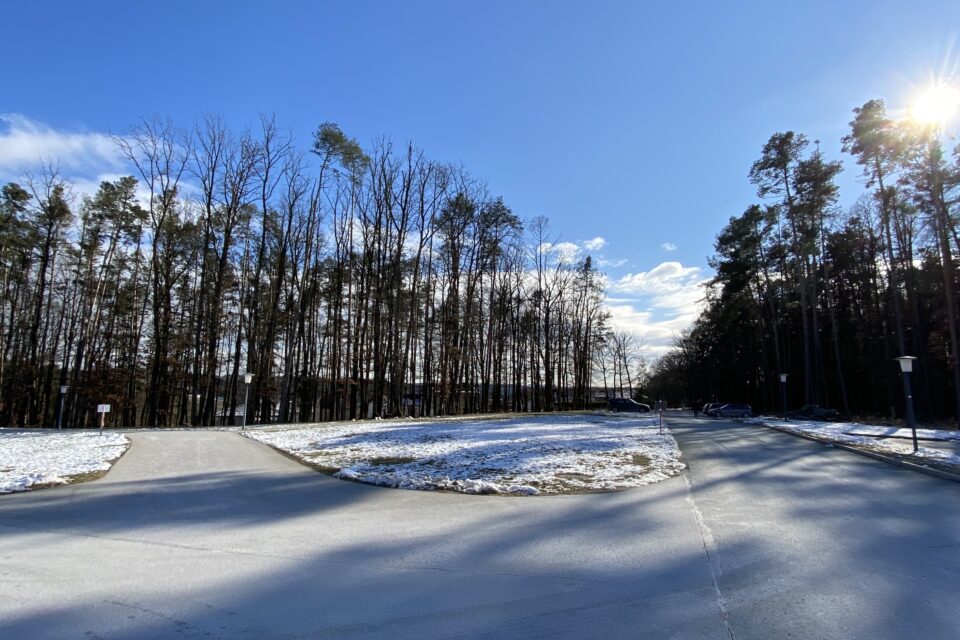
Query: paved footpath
(209, 535)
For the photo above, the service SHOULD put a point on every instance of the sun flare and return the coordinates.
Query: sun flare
(936, 105)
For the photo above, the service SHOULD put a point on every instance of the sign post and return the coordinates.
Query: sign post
(103, 410)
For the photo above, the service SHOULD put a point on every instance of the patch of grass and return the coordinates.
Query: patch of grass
(390, 462)
(86, 477)
(567, 486)
(435, 437)
(322, 468)
(641, 460)
(73, 479)
(573, 476)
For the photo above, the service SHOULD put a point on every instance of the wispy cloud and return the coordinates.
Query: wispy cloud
(595, 244)
(84, 159)
(604, 262)
(668, 246)
(25, 144)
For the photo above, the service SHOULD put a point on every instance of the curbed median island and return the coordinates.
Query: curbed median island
(529, 455)
(43, 458)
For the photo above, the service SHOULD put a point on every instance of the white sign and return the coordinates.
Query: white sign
(103, 408)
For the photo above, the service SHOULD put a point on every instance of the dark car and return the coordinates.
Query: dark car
(734, 411)
(710, 408)
(626, 404)
(814, 412)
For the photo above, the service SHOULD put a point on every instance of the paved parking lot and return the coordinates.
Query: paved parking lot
(209, 535)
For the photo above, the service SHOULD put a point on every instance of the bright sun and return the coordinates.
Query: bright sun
(936, 105)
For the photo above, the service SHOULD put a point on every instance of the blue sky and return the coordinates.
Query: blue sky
(633, 122)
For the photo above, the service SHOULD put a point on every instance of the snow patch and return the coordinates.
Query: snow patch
(31, 458)
(876, 437)
(529, 455)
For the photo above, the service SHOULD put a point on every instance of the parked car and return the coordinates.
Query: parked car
(814, 412)
(710, 408)
(626, 404)
(733, 411)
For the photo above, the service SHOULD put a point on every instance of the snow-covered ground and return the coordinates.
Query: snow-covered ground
(29, 458)
(520, 455)
(878, 438)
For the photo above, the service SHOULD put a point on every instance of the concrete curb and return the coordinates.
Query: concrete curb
(897, 462)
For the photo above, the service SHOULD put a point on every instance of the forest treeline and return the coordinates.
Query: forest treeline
(350, 282)
(831, 297)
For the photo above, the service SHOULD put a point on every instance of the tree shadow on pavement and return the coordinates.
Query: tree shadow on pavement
(227, 498)
(437, 565)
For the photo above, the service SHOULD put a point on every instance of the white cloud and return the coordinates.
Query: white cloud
(657, 333)
(84, 159)
(595, 244)
(668, 246)
(666, 277)
(565, 251)
(657, 305)
(26, 143)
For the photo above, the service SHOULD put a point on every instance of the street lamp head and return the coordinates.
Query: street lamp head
(906, 363)
(248, 378)
(783, 377)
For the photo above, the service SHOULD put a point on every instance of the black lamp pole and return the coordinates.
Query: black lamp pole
(63, 393)
(783, 393)
(906, 367)
(247, 378)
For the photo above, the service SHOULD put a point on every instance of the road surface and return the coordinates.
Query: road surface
(210, 535)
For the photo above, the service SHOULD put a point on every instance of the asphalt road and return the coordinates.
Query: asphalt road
(210, 535)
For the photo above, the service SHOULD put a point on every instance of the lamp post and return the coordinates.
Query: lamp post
(63, 393)
(247, 378)
(906, 367)
(783, 393)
